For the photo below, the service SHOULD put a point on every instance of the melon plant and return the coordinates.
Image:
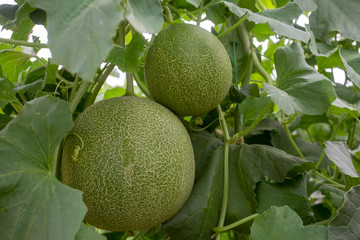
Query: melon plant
(78, 160)
(187, 69)
(133, 160)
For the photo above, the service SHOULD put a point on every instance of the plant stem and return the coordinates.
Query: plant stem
(261, 69)
(129, 85)
(141, 86)
(226, 170)
(198, 20)
(168, 14)
(73, 91)
(235, 224)
(336, 184)
(257, 120)
(23, 43)
(233, 26)
(287, 130)
(100, 83)
(79, 94)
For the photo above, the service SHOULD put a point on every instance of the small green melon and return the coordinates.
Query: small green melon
(187, 69)
(133, 160)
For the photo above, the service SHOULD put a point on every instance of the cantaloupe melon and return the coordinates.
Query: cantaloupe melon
(187, 69)
(133, 160)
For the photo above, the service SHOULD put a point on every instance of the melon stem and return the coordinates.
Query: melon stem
(226, 170)
(129, 85)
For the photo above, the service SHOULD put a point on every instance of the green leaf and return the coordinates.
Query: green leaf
(300, 88)
(23, 24)
(249, 164)
(88, 233)
(351, 60)
(145, 15)
(80, 32)
(114, 92)
(33, 203)
(7, 94)
(128, 58)
(12, 63)
(339, 154)
(292, 192)
(340, 107)
(306, 5)
(201, 211)
(195, 3)
(279, 20)
(345, 225)
(204, 145)
(4, 120)
(282, 223)
(336, 15)
(251, 107)
(50, 73)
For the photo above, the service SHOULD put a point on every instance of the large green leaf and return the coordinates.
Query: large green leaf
(145, 15)
(300, 88)
(292, 192)
(336, 15)
(280, 20)
(12, 63)
(33, 203)
(80, 32)
(201, 211)
(345, 225)
(282, 223)
(249, 164)
(7, 94)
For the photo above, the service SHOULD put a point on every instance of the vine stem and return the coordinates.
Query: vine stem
(261, 69)
(235, 224)
(79, 94)
(101, 82)
(233, 26)
(226, 170)
(297, 149)
(23, 43)
(141, 85)
(257, 120)
(336, 184)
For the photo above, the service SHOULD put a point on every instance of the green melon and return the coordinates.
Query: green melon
(187, 69)
(135, 165)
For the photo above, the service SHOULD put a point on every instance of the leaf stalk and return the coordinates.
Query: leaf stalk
(233, 26)
(23, 43)
(254, 123)
(235, 224)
